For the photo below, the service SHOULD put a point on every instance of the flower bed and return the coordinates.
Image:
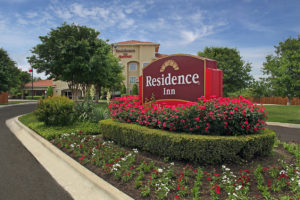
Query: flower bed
(151, 178)
(215, 116)
(191, 147)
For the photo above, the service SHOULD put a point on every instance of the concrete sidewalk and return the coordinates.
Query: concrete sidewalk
(73, 177)
(288, 125)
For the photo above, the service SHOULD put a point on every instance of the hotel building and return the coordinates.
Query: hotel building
(134, 56)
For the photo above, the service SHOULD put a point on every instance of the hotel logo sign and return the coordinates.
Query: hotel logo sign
(175, 78)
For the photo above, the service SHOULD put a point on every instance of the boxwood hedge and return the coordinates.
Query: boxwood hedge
(196, 148)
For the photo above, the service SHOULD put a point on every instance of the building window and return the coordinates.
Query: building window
(145, 64)
(132, 66)
(132, 79)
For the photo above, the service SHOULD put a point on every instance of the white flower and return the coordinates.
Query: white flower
(234, 194)
(160, 170)
(135, 150)
(223, 166)
(238, 187)
(172, 163)
(72, 145)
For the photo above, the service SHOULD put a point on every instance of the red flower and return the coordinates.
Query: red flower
(216, 188)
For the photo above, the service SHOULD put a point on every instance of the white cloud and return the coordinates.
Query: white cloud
(31, 14)
(189, 36)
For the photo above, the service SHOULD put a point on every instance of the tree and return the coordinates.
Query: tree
(21, 78)
(135, 89)
(8, 72)
(24, 77)
(284, 68)
(74, 54)
(49, 91)
(261, 88)
(236, 72)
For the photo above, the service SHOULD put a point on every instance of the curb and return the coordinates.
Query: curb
(283, 124)
(81, 183)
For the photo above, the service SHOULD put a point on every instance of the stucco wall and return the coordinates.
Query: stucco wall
(59, 86)
(142, 54)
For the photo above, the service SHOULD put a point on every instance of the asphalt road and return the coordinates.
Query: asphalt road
(285, 134)
(21, 176)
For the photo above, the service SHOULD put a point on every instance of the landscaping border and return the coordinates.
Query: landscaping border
(182, 146)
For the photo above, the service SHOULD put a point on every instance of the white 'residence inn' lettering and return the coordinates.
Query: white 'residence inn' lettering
(172, 80)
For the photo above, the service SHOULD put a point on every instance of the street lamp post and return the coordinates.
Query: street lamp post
(31, 70)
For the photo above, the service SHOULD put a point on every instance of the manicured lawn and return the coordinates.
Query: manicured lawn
(284, 114)
(10, 103)
(49, 132)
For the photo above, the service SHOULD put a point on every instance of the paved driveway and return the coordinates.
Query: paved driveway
(21, 176)
(285, 134)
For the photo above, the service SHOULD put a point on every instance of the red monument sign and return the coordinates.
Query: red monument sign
(180, 78)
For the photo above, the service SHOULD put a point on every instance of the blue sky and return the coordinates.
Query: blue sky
(180, 26)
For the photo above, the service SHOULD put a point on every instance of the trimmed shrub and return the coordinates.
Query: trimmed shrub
(195, 148)
(55, 111)
(214, 116)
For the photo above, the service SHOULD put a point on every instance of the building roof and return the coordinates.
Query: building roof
(134, 42)
(41, 83)
(159, 55)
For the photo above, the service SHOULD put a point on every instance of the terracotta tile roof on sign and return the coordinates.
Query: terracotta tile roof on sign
(41, 83)
(134, 42)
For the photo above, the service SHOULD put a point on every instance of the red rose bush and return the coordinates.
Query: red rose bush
(214, 116)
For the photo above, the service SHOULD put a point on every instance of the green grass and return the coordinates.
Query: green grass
(284, 114)
(9, 103)
(49, 132)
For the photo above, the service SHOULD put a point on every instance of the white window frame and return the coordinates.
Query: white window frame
(130, 65)
(131, 78)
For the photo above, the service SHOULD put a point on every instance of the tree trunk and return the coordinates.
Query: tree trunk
(289, 101)
(98, 93)
(23, 94)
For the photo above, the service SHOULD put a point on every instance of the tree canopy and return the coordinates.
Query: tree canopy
(75, 54)
(8, 72)
(236, 72)
(284, 68)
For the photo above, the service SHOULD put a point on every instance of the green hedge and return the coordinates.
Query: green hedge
(195, 148)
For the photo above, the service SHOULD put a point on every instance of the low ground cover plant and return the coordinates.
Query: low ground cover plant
(144, 177)
(214, 116)
(49, 132)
